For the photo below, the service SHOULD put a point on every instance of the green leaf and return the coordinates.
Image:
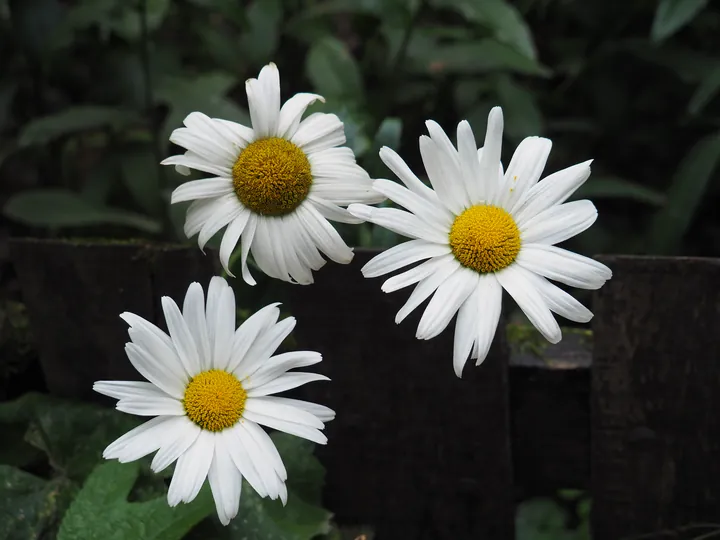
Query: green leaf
(259, 42)
(613, 187)
(333, 71)
(101, 509)
(52, 425)
(388, 134)
(306, 475)
(61, 208)
(689, 183)
(30, 506)
(74, 119)
(543, 519)
(705, 92)
(127, 24)
(480, 56)
(140, 175)
(672, 15)
(501, 17)
(522, 115)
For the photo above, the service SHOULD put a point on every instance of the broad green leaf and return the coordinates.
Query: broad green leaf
(705, 92)
(482, 56)
(672, 15)
(205, 93)
(30, 506)
(613, 187)
(501, 17)
(259, 42)
(73, 119)
(544, 519)
(61, 208)
(688, 186)
(306, 475)
(140, 173)
(333, 71)
(522, 115)
(127, 24)
(53, 425)
(101, 509)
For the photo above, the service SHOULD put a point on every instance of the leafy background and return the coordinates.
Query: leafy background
(91, 89)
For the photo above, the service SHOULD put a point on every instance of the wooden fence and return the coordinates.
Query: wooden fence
(421, 455)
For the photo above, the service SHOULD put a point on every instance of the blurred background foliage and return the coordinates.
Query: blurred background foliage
(91, 89)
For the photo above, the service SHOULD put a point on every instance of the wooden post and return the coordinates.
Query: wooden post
(656, 397)
(414, 451)
(75, 292)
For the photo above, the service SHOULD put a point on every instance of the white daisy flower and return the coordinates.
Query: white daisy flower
(482, 231)
(210, 389)
(274, 185)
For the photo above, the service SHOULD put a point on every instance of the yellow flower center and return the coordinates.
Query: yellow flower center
(272, 176)
(485, 238)
(214, 400)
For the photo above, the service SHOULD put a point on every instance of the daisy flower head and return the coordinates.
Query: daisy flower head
(482, 230)
(274, 185)
(210, 387)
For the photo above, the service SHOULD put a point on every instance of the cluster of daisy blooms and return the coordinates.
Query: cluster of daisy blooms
(274, 187)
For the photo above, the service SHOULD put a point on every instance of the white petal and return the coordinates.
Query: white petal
(246, 334)
(428, 286)
(138, 323)
(417, 273)
(299, 430)
(267, 406)
(192, 469)
(234, 442)
(267, 446)
(262, 465)
(465, 332)
(263, 347)
(561, 302)
(246, 241)
(396, 164)
(490, 156)
(156, 371)
(141, 441)
(319, 131)
(228, 211)
(558, 223)
(450, 164)
(204, 210)
(223, 325)
(306, 249)
(201, 189)
(292, 111)
(469, 163)
(288, 381)
(564, 266)
(263, 96)
(325, 414)
(524, 171)
(403, 255)
(225, 483)
(182, 436)
(332, 211)
(127, 389)
(237, 135)
(181, 336)
(193, 161)
(434, 213)
(279, 364)
(194, 314)
(159, 404)
(489, 307)
(448, 188)
(325, 237)
(212, 148)
(551, 190)
(230, 239)
(265, 247)
(516, 282)
(401, 222)
(445, 302)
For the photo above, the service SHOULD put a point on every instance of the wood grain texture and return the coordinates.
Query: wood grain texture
(414, 451)
(75, 292)
(656, 397)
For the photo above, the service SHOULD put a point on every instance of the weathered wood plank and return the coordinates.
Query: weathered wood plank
(414, 450)
(656, 396)
(75, 291)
